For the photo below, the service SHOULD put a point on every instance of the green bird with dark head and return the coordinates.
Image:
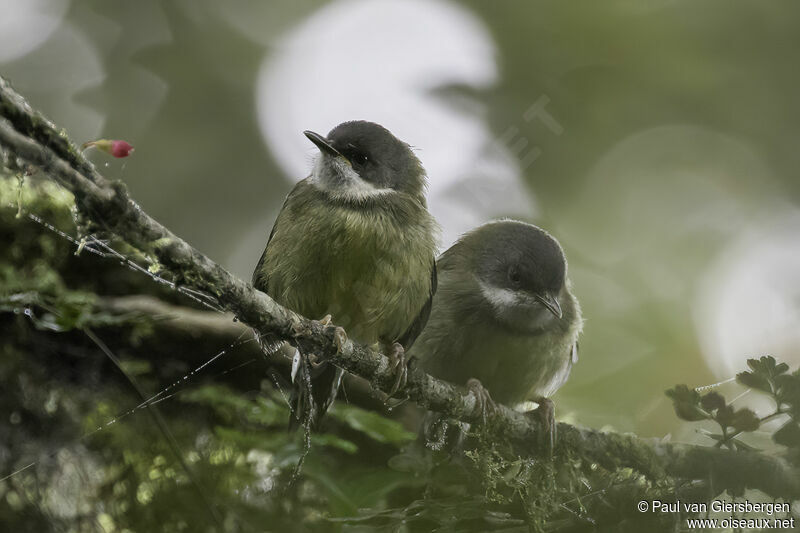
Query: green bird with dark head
(354, 242)
(504, 321)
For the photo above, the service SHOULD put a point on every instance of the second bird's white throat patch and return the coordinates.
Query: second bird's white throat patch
(500, 298)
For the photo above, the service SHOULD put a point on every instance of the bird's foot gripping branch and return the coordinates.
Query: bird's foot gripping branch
(624, 468)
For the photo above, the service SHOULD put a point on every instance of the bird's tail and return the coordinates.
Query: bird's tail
(314, 389)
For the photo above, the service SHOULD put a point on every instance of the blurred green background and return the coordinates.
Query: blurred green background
(666, 164)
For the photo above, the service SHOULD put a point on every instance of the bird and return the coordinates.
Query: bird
(504, 321)
(354, 243)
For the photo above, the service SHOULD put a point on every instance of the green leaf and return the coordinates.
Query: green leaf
(762, 374)
(725, 416)
(686, 402)
(765, 364)
(136, 367)
(375, 425)
(712, 401)
(788, 391)
(253, 439)
(741, 446)
(754, 380)
(358, 485)
(745, 420)
(413, 460)
(262, 410)
(788, 435)
(333, 441)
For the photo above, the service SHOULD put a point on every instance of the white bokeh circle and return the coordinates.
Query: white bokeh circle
(24, 26)
(749, 304)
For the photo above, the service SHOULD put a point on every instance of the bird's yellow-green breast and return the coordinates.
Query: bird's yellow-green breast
(369, 267)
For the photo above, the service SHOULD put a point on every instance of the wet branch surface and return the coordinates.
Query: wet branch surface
(29, 138)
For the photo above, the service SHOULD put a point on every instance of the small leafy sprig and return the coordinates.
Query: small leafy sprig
(765, 375)
(774, 379)
(692, 406)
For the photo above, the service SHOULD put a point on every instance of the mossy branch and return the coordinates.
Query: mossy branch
(27, 136)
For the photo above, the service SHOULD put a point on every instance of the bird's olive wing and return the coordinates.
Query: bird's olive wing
(416, 327)
(260, 275)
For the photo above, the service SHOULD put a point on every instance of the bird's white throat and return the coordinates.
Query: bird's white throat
(500, 298)
(339, 179)
(516, 308)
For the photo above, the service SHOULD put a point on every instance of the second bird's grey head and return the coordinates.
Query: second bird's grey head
(521, 271)
(360, 160)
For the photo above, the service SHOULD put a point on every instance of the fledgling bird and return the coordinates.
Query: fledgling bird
(355, 241)
(504, 321)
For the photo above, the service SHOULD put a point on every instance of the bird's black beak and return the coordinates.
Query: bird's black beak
(322, 143)
(551, 303)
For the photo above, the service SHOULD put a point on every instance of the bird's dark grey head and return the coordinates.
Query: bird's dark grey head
(521, 270)
(360, 159)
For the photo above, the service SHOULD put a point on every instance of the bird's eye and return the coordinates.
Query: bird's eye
(513, 275)
(357, 158)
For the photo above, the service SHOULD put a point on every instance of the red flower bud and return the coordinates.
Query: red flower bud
(120, 149)
(115, 148)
